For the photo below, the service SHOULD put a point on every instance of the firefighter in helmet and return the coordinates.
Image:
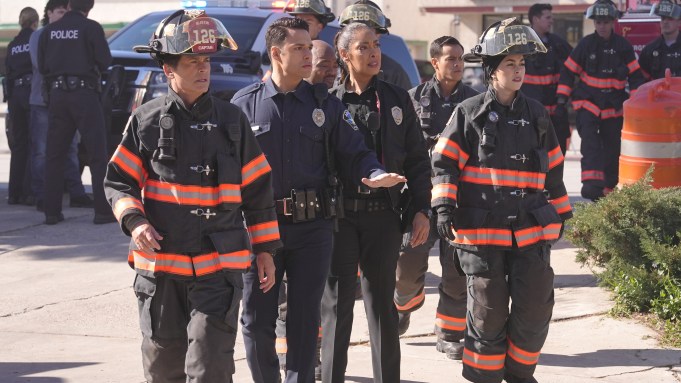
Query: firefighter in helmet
(185, 177)
(315, 13)
(367, 12)
(665, 51)
(604, 62)
(499, 194)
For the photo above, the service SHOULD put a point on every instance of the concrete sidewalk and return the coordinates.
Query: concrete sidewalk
(68, 313)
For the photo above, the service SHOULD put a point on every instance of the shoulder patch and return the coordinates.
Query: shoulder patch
(347, 117)
(249, 89)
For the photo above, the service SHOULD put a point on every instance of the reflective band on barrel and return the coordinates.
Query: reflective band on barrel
(191, 194)
(254, 169)
(522, 356)
(411, 303)
(451, 149)
(444, 190)
(501, 177)
(483, 362)
(264, 232)
(450, 323)
(532, 235)
(653, 150)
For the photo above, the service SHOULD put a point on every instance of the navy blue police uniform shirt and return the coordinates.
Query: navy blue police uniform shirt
(73, 46)
(289, 128)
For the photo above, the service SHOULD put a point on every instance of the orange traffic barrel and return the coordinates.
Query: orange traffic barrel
(651, 134)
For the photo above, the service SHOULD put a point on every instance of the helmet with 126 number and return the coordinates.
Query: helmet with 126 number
(365, 12)
(506, 37)
(316, 8)
(188, 32)
(603, 9)
(666, 8)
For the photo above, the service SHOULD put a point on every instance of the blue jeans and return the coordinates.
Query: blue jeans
(38, 128)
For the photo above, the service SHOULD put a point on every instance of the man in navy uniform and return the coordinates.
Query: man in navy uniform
(72, 53)
(308, 137)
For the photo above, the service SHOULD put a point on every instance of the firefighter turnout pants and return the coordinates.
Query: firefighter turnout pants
(450, 318)
(498, 341)
(189, 327)
(600, 148)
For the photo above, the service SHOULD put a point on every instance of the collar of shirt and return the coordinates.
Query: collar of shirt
(369, 94)
(490, 102)
(438, 91)
(270, 90)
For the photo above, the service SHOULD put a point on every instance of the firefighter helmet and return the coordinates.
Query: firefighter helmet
(506, 37)
(365, 12)
(188, 32)
(603, 9)
(666, 8)
(316, 8)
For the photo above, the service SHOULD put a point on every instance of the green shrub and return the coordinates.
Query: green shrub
(633, 235)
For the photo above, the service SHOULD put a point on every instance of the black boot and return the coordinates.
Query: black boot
(403, 323)
(453, 349)
(510, 378)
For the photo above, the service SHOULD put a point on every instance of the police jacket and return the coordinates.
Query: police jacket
(18, 60)
(290, 130)
(603, 68)
(433, 108)
(501, 168)
(73, 46)
(401, 147)
(657, 56)
(542, 71)
(196, 200)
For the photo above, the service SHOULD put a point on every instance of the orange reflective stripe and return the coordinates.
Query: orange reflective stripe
(633, 66)
(521, 356)
(130, 163)
(573, 66)
(532, 235)
(502, 177)
(254, 169)
(484, 236)
(444, 190)
(602, 83)
(451, 149)
(126, 203)
(264, 232)
(548, 79)
(551, 109)
(592, 175)
(450, 323)
(555, 157)
(483, 362)
(319, 333)
(413, 302)
(596, 111)
(564, 90)
(281, 346)
(199, 265)
(191, 194)
(562, 204)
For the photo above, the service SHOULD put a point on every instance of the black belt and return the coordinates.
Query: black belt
(366, 204)
(72, 83)
(23, 81)
(303, 205)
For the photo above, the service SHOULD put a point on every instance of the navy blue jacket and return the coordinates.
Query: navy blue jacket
(293, 142)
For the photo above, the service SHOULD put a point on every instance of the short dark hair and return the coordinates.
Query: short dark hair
(537, 9)
(51, 6)
(278, 30)
(170, 60)
(81, 5)
(437, 45)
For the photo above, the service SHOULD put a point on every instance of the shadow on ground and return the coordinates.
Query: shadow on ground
(614, 358)
(11, 372)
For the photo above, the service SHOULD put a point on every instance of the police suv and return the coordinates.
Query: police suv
(230, 70)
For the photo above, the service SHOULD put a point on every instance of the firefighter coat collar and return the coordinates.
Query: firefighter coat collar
(200, 111)
(490, 99)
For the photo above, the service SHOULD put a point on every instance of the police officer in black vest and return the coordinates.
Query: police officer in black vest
(665, 51)
(72, 53)
(308, 137)
(434, 102)
(19, 72)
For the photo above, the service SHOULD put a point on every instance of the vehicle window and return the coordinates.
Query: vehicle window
(243, 29)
